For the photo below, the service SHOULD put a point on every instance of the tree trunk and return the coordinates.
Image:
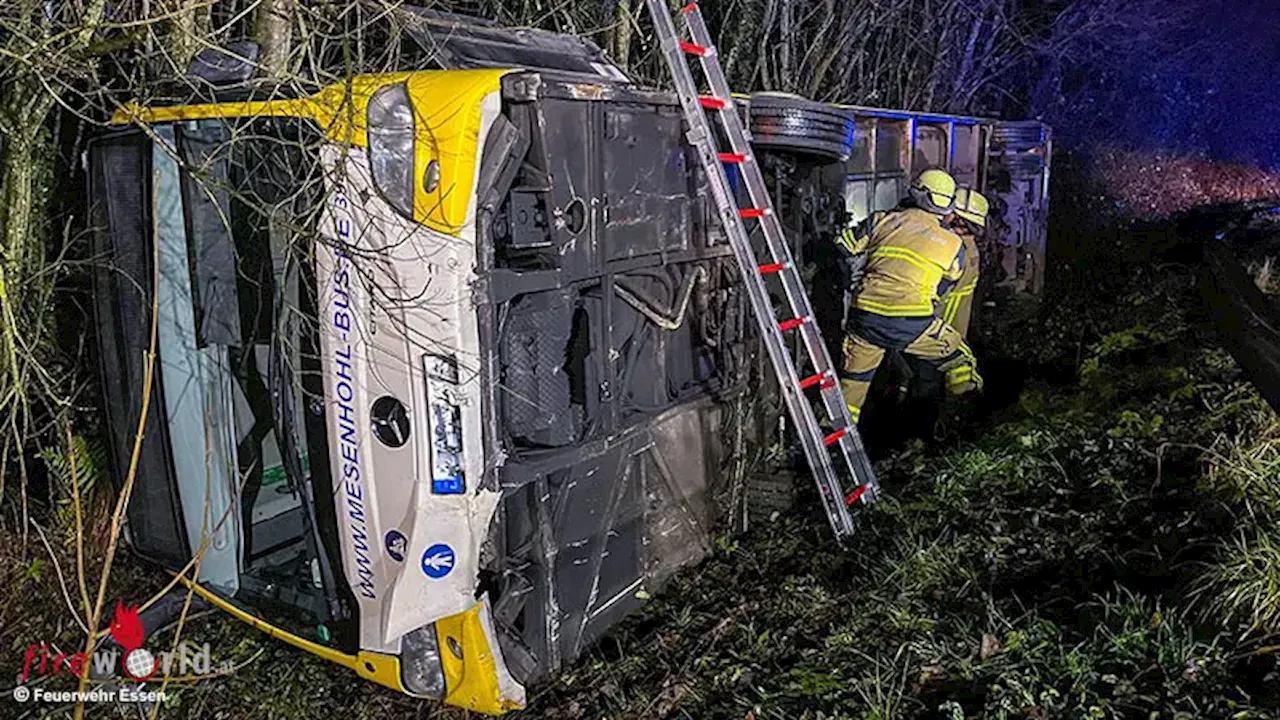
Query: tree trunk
(188, 30)
(273, 31)
(786, 32)
(624, 29)
(21, 343)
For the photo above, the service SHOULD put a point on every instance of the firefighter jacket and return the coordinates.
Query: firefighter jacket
(854, 237)
(957, 300)
(909, 254)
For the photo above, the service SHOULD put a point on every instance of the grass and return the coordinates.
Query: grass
(1103, 548)
(1102, 545)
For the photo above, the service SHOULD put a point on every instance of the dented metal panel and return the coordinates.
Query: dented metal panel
(619, 334)
(456, 42)
(1017, 180)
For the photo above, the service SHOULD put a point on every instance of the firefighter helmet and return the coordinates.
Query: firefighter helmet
(935, 191)
(972, 206)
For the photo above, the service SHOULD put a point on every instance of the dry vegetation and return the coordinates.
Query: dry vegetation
(1153, 185)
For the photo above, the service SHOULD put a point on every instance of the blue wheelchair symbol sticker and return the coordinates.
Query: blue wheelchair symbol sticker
(437, 561)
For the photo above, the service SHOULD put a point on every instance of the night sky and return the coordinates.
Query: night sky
(1198, 77)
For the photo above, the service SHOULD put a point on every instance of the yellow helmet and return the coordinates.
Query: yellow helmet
(972, 206)
(934, 190)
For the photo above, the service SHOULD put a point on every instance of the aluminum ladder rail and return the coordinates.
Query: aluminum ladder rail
(719, 104)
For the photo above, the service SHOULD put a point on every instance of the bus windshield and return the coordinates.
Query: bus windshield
(235, 205)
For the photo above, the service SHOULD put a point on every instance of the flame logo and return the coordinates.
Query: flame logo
(126, 627)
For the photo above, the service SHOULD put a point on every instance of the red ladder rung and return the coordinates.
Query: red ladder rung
(752, 212)
(852, 497)
(791, 324)
(828, 383)
(732, 158)
(772, 268)
(834, 437)
(689, 8)
(712, 103)
(693, 48)
(812, 380)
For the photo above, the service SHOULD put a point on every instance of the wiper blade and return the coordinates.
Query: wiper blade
(280, 387)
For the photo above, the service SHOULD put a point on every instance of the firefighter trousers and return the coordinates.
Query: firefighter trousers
(929, 339)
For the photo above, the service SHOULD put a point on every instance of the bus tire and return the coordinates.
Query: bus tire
(793, 124)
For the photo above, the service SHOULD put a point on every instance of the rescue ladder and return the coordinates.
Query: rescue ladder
(819, 445)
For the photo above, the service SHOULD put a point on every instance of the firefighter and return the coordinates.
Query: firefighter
(910, 253)
(955, 307)
(969, 221)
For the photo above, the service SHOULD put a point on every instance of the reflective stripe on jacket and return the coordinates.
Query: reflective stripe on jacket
(957, 301)
(909, 254)
(854, 237)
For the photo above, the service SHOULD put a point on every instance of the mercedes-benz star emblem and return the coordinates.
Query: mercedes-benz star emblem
(390, 421)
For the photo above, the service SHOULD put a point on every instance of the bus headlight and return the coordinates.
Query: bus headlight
(391, 146)
(421, 672)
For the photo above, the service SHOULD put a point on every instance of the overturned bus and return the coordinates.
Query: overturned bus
(453, 367)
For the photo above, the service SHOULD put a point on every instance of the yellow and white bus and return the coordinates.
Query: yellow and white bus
(453, 365)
